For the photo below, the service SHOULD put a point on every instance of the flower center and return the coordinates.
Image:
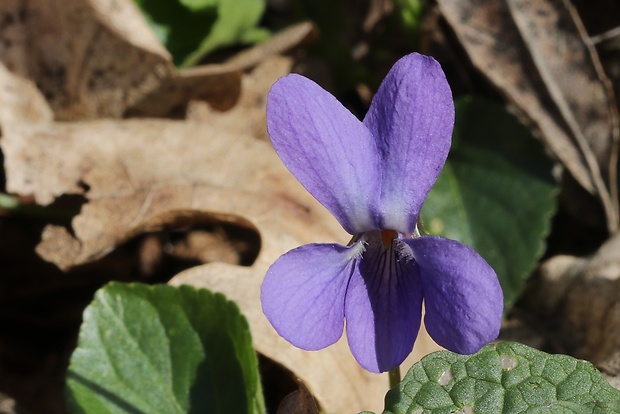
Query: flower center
(387, 236)
(383, 240)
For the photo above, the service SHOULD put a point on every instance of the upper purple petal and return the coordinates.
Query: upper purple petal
(303, 294)
(383, 307)
(327, 149)
(411, 117)
(462, 295)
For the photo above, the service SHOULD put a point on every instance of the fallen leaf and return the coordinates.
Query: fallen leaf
(298, 402)
(71, 49)
(144, 175)
(263, 64)
(21, 102)
(579, 298)
(248, 116)
(217, 87)
(538, 54)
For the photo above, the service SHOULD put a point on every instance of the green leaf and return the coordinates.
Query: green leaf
(162, 349)
(236, 23)
(198, 5)
(495, 193)
(190, 29)
(412, 13)
(504, 378)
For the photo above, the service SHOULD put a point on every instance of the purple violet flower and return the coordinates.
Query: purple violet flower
(373, 176)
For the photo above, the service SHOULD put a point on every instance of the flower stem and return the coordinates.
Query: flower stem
(394, 376)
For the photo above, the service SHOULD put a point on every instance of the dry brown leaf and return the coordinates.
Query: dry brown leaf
(298, 402)
(221, 85)
(21, 104)
(142, 175)
(263, 65)
(580, 296)
(538, 54)
(248, 115)
(134, 172)
(71, 49)
(99, 59)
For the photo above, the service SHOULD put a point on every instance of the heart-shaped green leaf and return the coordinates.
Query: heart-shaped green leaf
(495, 193)
(162, 349)
(507, 378)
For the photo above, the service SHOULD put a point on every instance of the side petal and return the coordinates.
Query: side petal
(303, 294)
(383, 308)
(462, 295)
(330, 152)
(412, 117)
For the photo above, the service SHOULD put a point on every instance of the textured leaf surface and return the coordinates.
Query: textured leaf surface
(495, 193)
(161, 349)
(503, 378)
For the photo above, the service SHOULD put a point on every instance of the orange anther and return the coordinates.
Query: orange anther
(387, 236)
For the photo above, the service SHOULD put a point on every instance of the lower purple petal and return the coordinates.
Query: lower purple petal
(462, 295)
(383, 307)
(303, 294)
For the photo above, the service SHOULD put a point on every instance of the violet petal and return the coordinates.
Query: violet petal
(462, 295)
(330, 152)
(383, 308)
(411, 117)
(303, 294)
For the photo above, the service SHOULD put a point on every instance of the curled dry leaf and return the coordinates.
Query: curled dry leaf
(298, 402)
(136, 174)
(581, 299)
(143, 175)
(71, 50)
(538, 54)
(221, 85)
(263, 64)
(248, 116)
(20, 103)
(98, 58)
